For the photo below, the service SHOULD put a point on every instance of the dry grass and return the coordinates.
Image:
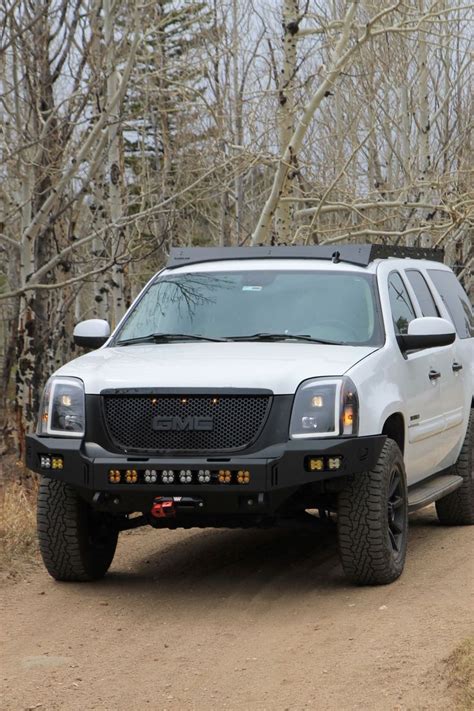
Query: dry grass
(460, 671)
(18, 546)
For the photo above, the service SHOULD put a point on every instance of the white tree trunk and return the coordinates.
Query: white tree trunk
(339, 58)
(238, 121)
(424, 130)
(286, 116)
(114, 164)
(26, 322)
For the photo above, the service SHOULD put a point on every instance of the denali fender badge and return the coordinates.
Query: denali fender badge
(189, 423)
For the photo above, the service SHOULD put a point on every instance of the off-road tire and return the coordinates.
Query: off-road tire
(366, 523)
(457, 509)
(76, 544)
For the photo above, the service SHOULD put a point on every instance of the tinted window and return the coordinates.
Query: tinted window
(422, 293)
(333, 306)
(455, 300)
(402, 309)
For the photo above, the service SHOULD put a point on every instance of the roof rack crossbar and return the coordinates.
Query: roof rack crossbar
(358, 254)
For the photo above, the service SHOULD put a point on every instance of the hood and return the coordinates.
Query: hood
(279, 367)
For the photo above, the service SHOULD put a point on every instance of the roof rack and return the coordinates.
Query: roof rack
(359, 254)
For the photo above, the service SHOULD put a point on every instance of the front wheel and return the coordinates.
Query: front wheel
(372, 521)
(76, 543)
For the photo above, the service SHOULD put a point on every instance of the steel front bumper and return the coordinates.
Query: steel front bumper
(276, 472)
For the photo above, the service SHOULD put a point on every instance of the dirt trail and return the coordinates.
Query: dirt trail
(239, 620)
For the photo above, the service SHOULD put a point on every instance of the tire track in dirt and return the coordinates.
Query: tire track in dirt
(240, 620)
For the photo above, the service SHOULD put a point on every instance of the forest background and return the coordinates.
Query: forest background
(127, 127)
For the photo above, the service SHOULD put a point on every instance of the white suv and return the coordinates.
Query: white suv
(254, 386)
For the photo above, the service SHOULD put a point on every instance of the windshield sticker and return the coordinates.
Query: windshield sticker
(252, 288)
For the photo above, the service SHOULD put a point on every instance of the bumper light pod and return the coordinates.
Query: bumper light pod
(334, 463)
(243, 477)
(185, 476)
(150, 476)
(167, 476)
(131, 476)
(51, 461)
(204, 476)
(316, 464)
(114, 476)
(224, 476)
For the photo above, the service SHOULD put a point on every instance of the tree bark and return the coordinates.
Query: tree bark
(286, 116)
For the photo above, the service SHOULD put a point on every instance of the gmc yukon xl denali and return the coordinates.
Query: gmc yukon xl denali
(259, 387)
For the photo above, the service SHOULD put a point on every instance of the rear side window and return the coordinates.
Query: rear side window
(456, 301)
(422, 293)
(402, 309)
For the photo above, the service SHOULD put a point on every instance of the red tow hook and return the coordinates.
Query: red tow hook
(163, 508)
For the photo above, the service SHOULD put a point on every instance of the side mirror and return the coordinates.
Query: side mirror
(427, 332)
(92, 333)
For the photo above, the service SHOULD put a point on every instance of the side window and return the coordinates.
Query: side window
(402, 309)
(422, 293)
(456, 301)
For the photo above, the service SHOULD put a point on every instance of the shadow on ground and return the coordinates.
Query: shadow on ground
(216, 563)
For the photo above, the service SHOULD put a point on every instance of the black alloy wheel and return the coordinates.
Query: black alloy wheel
(396, 511)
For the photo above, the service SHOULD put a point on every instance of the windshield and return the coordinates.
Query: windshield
(327, 306)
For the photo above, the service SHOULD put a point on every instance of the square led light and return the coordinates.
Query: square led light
(334, 463)
(316, 464)
(185, 476)
(150, 476)
(204, 476)
(243, 477)
(131, 476)
(224, 476)
(114, 476)
(57, 462)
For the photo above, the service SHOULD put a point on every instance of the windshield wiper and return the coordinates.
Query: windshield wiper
(173, 337)
(284, 337)
(166, 338)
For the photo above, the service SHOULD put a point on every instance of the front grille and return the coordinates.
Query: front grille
(184, 423)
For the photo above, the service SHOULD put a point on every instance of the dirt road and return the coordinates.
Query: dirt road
(240, 620)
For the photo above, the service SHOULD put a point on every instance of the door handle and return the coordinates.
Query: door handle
(457, 367)
(434, 374)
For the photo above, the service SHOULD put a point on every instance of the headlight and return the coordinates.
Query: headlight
(325, 407)
(62, 408)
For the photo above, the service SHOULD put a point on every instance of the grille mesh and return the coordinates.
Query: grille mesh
(236, 421)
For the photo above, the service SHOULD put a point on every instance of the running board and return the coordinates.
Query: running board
(426, 492)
